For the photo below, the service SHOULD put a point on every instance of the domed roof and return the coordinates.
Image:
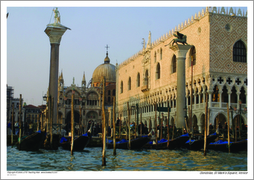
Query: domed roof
(106, 69)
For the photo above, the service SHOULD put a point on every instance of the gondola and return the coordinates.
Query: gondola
(173, 143)
(199, 144)
(55, 142)
(234, 146)
(79, 143)
(137, 143)
(31, 142)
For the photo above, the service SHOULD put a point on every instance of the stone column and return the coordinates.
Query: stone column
(54, 32)
(229, 98)
(180, 51)
(210, 98)
(220, 103)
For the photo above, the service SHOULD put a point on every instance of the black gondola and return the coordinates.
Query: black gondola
(173, 143)
(55, 142)
(199, 144)
(31, 142)
(137, 143)
(234, 146)
(79, 143)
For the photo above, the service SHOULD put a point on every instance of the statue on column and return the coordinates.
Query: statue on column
(57, 17)
(180, 38)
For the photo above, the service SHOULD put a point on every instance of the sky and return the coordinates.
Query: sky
(120, 25)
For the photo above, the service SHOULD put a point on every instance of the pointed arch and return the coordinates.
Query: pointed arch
(193, 56)
(158, 71)
(129, 83)
(138, 79)
(239, 52)
(173, 64)
(121, 87)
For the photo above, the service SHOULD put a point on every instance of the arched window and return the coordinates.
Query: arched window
(129, 84)
(242, 95)
(193, 55)
(146, 78)
(155, 56)
(157, 71)
(121, 87)
(216, 94)
(160, 54)
(174, 64)
(138, 80)
(239, 52)
(224, 95)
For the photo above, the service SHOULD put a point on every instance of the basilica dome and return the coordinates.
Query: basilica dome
(106, 69)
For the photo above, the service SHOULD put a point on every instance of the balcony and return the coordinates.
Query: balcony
(144, 88)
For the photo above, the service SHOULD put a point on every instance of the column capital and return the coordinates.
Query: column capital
(180, 50)
(55, 33)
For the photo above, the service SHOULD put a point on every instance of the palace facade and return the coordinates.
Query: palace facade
(216, 64)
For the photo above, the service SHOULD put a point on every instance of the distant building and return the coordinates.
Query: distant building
(219, 54)
(13, 106)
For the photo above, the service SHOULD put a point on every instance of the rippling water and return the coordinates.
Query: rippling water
(90, 159)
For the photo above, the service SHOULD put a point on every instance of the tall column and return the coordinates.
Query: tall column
(55, 32)
(180, 51)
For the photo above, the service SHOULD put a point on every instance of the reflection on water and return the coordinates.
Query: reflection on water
(90, 159)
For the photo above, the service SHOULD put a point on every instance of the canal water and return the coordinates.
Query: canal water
(161, 162)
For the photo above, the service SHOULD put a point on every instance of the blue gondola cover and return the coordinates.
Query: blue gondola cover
(63, 139)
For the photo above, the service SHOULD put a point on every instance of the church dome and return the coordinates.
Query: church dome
(106, 69)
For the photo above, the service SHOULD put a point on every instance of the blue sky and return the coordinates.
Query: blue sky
(93, 25)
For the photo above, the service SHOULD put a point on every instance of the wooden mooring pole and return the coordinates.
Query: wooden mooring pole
(72, 122)
(205, 133)
(228, 130)
(129, 125)
(12, 124)
(155, 124)
(51, 123)
(20, 117)
(168, 125)
(114, 126)
(104, 125)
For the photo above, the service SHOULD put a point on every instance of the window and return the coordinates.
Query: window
(239, 52)
(146, 78)
(174, 64)
(114, 92)
(138, 80)
(109, 92)
(154, 56)
(160, 54)
(109, 99)
(121, 88)
(158, 71)
(193, 56)
(129, 84)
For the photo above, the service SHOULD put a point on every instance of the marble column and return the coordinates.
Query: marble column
(180, 52)
(55, 32)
